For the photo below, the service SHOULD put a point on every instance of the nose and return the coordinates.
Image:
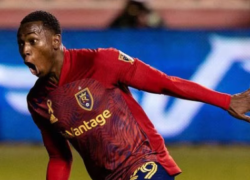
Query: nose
(25, 50)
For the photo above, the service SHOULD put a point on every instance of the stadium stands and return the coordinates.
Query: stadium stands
(99, 13)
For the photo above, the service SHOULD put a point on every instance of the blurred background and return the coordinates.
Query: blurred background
(206, 41)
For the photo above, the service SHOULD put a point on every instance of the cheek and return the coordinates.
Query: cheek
(44, 60)
(46, 54)
(47, 63)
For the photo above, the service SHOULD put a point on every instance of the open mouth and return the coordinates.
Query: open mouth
(32, 68)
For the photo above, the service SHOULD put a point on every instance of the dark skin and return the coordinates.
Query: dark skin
(42, 52)
(239, 105)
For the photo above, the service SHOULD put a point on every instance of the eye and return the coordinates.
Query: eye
(33, 41)
(20, 43)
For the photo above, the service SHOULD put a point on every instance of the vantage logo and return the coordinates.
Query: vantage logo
(99, 120)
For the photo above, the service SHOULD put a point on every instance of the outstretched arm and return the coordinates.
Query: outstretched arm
(155, 81)
(240, 105)
(146, 78)
(135, 73)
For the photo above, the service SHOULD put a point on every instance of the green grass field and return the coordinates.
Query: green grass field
(200, 162)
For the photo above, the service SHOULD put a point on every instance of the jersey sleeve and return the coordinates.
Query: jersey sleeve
(60, 157)
(133, 72)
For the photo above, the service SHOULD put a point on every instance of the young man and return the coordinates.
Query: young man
(82, 97)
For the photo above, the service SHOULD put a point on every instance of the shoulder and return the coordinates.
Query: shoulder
(82, 57)
(114, 56)
(87, 58)
(32, 98)
(34, 90)
(40, 90)
(107, 52)
(93, 53)
(82, 53)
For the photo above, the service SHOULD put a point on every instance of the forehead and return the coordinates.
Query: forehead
(35, 27)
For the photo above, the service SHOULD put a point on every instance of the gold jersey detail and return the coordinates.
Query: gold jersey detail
(144, 168)
(53, 119)
(67, 134)
(99, 120)
(85, 99)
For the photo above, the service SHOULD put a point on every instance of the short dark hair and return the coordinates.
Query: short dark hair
(49, 21)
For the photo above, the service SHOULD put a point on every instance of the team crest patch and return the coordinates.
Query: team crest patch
(125, 57)
(85, 99)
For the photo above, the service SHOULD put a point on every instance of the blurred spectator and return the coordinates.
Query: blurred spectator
(137, 15)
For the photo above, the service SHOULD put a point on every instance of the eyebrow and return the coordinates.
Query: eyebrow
(32, 32)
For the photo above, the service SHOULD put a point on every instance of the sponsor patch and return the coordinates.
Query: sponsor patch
(85, 99)
(125, 57)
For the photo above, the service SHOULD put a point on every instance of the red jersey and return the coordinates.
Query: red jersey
(93, 109)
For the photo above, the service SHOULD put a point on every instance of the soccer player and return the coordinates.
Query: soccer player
(82, 97)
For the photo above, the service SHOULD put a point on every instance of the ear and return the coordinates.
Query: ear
(56, 41)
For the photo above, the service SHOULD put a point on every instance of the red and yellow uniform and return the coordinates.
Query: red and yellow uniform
(93, 109)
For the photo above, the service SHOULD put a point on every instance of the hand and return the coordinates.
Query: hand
(240, 105)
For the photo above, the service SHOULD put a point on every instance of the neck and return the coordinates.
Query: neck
(54, 76)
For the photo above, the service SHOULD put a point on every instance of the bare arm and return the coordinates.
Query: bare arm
(240, 105)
